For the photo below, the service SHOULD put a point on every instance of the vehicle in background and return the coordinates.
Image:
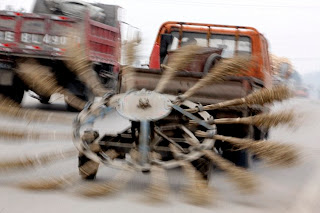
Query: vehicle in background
(219, 41)
(301, 92)
(282, 69)
(43, 34)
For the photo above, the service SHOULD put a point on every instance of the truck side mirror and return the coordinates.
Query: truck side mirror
(166, 40)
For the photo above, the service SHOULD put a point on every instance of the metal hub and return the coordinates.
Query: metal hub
(144, 105)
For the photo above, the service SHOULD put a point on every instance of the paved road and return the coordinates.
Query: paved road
(281, 190)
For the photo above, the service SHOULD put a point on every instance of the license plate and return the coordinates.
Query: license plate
(46, 39)
(7, 36)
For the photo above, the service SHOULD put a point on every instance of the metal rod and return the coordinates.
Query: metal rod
(144, 138)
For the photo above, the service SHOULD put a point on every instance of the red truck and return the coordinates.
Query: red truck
(43, 35)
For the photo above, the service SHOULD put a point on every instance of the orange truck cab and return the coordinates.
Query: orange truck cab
(233, 40)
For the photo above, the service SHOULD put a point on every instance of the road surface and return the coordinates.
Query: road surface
(294, 189)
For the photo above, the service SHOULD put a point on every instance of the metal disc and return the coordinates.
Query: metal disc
(144, 105)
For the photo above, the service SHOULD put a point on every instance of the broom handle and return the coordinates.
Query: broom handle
(220, 105)
(245, 120)
(165, 78)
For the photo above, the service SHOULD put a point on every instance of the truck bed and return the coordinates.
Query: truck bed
(45, 36)
(234, 87)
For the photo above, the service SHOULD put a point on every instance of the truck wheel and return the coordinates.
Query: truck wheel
(15, 92)
(44, 100)
(241, 158)
(81, 91)
(204, 166)
(85, 174)
(210, 62)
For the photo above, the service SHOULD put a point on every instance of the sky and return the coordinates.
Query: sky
(290, 26)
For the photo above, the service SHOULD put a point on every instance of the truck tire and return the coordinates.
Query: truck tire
(15, 92)
(210, 62)
(82, 160)
(79, 90)
(241, 158)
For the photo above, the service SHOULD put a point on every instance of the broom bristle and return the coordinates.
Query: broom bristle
(244, 180)
(16, 135)
(159, 187)
(197, 191)
(180, 59)
(131, 53)
(266, 96)
(262, 120)
(58, 182)
(273, 119)
(36, 161)
(274, 153)
(10, 108)
(105, 188)
(48, 183)
(80, 65)
(259, 97)
(128, 72)
(42, 81)
(225, 68)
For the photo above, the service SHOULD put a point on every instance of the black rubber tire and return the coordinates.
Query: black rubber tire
(15, 92)
(240, 158)
(82, 159)
(210, 62)
(44, 100)
(204, 166)
(78, 89)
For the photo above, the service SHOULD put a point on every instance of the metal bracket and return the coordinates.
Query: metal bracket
(192, 117)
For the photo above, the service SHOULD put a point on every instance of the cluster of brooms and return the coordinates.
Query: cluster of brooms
(198, 189)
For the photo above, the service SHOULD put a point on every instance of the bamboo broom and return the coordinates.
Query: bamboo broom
(42, 81)
(100, 189)
(266, 120)
(107, 187)
(20, 134)
(128, 71)
(80, 65)
(274, 153)
(36, 160)
(243, 179)
(260, 97)
(54, 183)
(217, 74)
(10, 108)
(197, 191)
(159, 187)
(180, 59)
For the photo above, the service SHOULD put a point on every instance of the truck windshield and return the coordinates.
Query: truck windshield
(227, 42)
